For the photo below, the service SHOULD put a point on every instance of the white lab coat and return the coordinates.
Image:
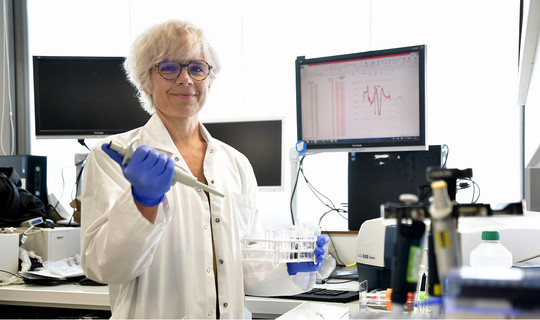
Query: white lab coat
(165, 270)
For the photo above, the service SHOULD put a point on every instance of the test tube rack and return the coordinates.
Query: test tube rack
(279, 250)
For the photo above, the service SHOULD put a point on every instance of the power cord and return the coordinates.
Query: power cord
(24, 235)
(319, 195)
(15, 278)
(294, 189)
(445, 151)
(335, 252)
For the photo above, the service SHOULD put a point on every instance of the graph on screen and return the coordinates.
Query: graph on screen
(365, 97)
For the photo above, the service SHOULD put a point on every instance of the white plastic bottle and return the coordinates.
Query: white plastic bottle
(491, 253)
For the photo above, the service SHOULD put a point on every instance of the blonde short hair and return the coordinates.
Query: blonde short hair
(172, 40)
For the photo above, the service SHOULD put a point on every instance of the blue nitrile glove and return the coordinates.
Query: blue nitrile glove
(149, 172)
(294, 267)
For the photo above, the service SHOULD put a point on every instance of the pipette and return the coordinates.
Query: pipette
(444, 227)
(178, 176)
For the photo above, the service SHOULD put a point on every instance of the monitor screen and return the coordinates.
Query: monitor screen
(84, 97)
(375, 178)
(362, 102)
(261, 142)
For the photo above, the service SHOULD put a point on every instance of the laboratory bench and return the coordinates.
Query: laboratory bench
(95, 298)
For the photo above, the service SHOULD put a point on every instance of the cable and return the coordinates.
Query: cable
(11, 273)
(460, 185)
(14, 279)
(79, 176)
(82, 143)
(294, 189)
(331, 280)
(339, 211)
(316, 192)
(336, 255)
(445, 150)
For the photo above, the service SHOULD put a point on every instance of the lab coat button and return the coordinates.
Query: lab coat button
(212, 182)
(208, 270)
(176, 159)
(225, 304)
(209, 313)
(220, 261)
(217, 220)
(205, 226)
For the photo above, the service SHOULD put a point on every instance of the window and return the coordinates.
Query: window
(471, 74)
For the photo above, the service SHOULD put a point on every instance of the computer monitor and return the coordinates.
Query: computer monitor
(84, 97)
(375, 178)
(362, 102)
(261, 142)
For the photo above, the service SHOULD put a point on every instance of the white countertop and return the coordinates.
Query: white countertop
(97, 298)
(57, 296)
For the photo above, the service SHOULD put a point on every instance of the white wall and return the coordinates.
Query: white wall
(472, 67)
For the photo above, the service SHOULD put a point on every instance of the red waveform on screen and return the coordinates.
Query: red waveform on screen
(377, 97)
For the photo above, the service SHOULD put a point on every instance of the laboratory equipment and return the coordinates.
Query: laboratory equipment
(450, 176)
(520, 234)
(409, 246)
(374, 252)
(510, 293)
(491, 253)
(382, 299)
(444, 230)
(295, 244)
(376, 238)
(178, 176)
(53, 244)
(9, 259)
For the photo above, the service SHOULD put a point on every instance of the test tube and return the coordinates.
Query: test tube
(377, 299)
(382, 299)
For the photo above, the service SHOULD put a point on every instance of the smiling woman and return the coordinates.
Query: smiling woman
(170, 221)
(469, 82)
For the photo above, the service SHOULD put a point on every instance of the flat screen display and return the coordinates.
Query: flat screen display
(84, 97)
(362, 102)
(261, 142)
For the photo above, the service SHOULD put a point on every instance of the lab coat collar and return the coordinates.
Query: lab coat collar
(212, 144)
(155, 132)
(156, 135)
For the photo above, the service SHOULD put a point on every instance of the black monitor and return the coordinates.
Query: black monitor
(261, 142)
(84, 97)
(375, 178)
(362, 102)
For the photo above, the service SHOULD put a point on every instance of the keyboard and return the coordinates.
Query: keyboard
(326, 295)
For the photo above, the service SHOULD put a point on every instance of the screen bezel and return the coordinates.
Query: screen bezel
(366, 145)
(78, 133)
